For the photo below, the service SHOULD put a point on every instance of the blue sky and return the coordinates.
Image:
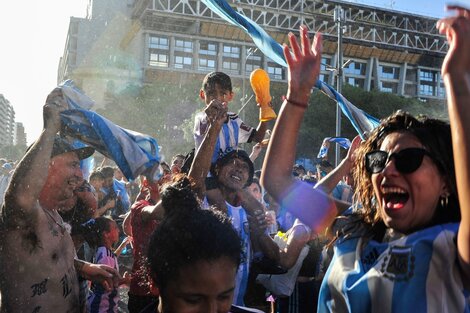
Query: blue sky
(33, 37)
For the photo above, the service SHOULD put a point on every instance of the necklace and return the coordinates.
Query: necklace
(61, 225)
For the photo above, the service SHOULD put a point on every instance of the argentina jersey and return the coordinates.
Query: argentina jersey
(240, 223)
(99, 300)
(233, 133)
(415, 273)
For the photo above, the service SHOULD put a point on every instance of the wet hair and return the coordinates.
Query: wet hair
(216, 78)
(177, 195)
(107, 171)
(435, 137)
(188, 235)
(177, 156)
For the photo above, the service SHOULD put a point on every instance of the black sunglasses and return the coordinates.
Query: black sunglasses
(406, 161)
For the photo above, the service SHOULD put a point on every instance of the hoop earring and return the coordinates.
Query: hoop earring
(444, 201)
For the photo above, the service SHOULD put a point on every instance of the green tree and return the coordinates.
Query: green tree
(161, 110)
(12, 152)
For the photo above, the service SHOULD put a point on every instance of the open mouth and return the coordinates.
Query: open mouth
(395, 198)
(237, 178)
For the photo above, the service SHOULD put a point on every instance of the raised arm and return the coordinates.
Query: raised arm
(303, 69)
(456, 74)
(31, 173)
(217, 114)
(329, 182)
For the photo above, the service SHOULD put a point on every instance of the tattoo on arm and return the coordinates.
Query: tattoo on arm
(39, 288)
(66, 286)
(36, 309)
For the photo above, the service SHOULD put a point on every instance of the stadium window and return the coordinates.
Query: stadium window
(275, 71)
(231, 59)
(207, 56)
(355, 68)
(389, 72)
(159, 51)
(389, 87)
(356, 82)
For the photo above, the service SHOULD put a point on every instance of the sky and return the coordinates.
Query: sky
(33, 35)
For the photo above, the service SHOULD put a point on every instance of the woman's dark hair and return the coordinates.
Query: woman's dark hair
(188, 235)
(435, 136)
(92, 230)
(177, 195)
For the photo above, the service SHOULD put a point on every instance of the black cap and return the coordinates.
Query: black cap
(61, 146)
(240, 154)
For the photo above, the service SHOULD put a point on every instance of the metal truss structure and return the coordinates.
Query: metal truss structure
(365, 25)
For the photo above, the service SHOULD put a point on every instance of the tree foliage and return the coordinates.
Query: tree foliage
(166, 111)
(12, 152)
(161, 110)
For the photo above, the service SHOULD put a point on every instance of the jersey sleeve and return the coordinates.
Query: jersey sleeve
(245, 132)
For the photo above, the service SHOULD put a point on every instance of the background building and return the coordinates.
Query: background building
(7, 122)
(143, 41)
(20, 135)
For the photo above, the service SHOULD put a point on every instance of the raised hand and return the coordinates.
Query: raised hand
(55, 103)
(216, 112)
(304, 65)
(457, 30)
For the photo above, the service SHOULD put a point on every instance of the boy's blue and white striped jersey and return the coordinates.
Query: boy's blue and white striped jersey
(240, 223)
(415, 273)
(233, 133)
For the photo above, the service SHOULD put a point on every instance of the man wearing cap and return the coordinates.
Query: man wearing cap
(38, 269)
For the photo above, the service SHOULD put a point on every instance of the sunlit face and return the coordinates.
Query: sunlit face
(97, 183)
(234, 174)
(113, 233)
(108, 182)
(176, 164)
(203, 287)
(407, 201)
(64, 176)
(255, 191)
(216, 93)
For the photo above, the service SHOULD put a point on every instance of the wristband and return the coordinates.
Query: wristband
(297, 104)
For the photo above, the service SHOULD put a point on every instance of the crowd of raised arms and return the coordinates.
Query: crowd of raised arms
(386, 230)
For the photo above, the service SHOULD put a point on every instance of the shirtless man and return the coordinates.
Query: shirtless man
(38, 269)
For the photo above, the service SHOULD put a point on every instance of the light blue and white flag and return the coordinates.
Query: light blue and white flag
(362, 122)
(344, 143)
(133, 152)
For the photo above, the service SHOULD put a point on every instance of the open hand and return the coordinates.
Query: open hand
(304, 65)
(457, 30)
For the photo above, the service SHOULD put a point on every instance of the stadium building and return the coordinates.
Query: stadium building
(144, 41)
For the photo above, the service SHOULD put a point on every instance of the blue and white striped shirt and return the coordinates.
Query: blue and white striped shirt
(415, 273)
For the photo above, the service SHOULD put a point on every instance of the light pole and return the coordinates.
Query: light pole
(339, 18)
(244, 96)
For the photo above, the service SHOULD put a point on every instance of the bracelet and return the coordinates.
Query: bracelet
(297, 104)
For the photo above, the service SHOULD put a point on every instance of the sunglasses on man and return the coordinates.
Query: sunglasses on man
(406, 161)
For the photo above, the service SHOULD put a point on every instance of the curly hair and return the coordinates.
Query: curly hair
(435, 136)
(177, 195)
(189, 234)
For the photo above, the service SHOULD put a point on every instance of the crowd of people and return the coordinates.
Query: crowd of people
(385, 230)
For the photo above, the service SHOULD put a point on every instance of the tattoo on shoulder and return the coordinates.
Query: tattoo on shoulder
(31, 242)
(66, 285)
(39, 288)
(36, 309)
